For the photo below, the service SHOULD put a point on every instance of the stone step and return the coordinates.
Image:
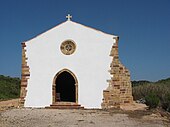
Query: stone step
(53, 105)
(65, 105)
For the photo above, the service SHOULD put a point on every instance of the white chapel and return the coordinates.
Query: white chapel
(73, 66)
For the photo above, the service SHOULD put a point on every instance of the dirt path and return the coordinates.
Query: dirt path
(8, 104)
(79, 118)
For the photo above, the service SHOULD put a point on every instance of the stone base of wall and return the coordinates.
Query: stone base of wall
(119, 91)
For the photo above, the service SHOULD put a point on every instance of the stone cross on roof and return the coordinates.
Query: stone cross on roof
(68, 17)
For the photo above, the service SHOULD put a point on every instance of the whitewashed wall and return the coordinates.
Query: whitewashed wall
(90, 63)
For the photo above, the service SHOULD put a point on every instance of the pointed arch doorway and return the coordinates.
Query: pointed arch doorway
(65, 87)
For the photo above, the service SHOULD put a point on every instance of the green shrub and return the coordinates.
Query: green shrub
(9, 87)
(161, 89)
(152, 100)
(166, 102)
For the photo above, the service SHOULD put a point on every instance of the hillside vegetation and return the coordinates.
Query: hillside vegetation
(9, 87)
(154, 94)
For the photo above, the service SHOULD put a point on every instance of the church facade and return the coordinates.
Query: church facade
(72, 64)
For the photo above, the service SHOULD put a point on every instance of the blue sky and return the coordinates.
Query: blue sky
(142, 25)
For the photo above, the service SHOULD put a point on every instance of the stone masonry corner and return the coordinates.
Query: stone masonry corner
(119, 91)
(25, 74)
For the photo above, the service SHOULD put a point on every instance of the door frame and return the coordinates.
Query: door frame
(54, 85)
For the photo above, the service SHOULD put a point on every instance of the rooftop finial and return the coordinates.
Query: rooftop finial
(68, 17)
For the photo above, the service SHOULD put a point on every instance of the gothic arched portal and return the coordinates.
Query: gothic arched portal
(65, 87)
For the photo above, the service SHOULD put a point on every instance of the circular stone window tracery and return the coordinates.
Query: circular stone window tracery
(68, 47)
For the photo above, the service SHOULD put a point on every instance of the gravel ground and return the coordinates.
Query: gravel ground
(78, 118)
